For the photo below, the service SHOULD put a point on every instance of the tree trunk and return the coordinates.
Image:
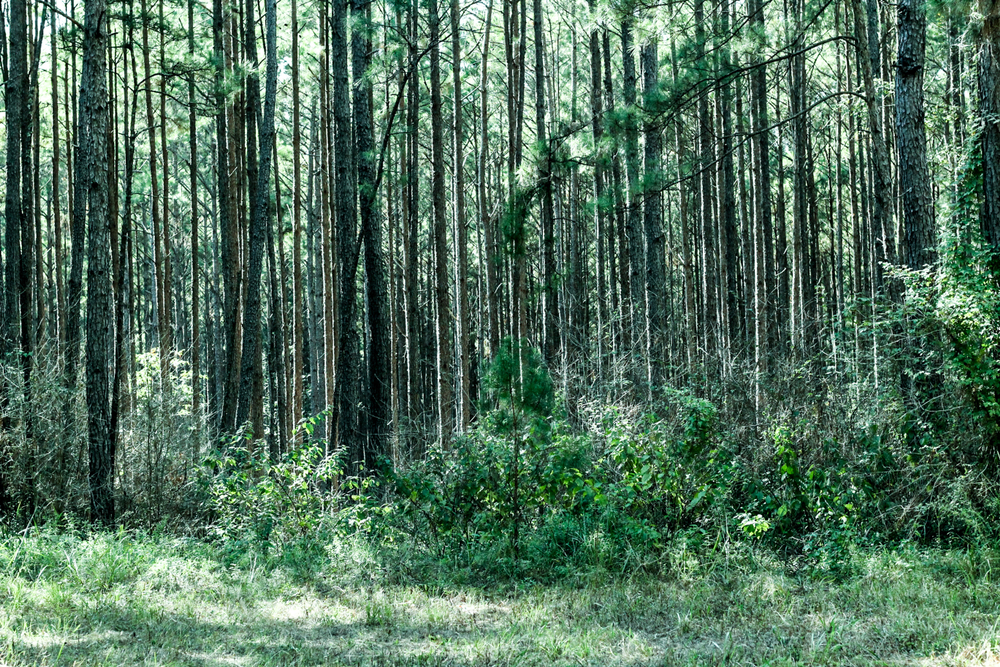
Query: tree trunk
(728, 195)
(93, 130)
(444, 332)
(297, 286)
(486, 218)
(656, 283)
(706, 147)
(989, 109)
(250, 401)
(15, 97)
(625, 323)
(461, 231)
(379, 400)
(911, 137)
(867, 45)
(346, 432)
(550, 292)
(195, 275)
(602, 238)
(411, 230)
(636, 254)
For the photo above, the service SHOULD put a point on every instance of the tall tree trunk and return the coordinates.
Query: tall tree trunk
(411, 229)
(763, 246)
(487, 219)
(656, 282)
(379, 400)
(867, 45)
(228, 226)
(346, 432)
(158, 236)
(56, 212)
(167, 339)
(602, 238)
(195, 275)
(250, 401)
(550, 292)
(444, 332)
(690, 324)
(728, 198)
(625, 326)
(15, 98)
(461, 231)
(911, 137)
(989, 109)
(636, 254)
(297, 286)
(706, 147)
(276, 328)
(93, 129)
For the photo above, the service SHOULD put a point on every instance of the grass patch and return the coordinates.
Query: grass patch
(115, 599)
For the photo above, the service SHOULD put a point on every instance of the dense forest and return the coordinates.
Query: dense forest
(398, 332)
(482, 268)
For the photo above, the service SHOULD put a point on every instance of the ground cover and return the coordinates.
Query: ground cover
(126, 600)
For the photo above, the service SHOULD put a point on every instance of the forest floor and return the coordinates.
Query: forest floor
(116, 600)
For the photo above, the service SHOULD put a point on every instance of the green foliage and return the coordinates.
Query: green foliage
(968, 302)
(604, 499)
(282, 507)
(668, 471)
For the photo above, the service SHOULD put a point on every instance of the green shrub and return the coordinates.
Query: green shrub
(284, 507)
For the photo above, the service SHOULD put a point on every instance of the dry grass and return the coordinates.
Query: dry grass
(114, 600)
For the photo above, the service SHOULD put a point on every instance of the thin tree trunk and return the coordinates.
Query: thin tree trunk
(444, 332)
(656, 282)
(297, 286)
(550, 305)
(636, 254)
(706, 147)
(989, 109)
(195, 276)
(881, 179)
(488, 220)
(461, 230)
(728, 198)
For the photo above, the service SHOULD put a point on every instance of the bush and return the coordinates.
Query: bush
(283, 509)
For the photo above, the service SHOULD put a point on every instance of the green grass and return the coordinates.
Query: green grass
(120, 600)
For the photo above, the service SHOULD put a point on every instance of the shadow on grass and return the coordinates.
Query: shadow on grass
(125, 632)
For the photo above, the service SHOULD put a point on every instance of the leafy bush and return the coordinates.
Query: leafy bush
(283, 507)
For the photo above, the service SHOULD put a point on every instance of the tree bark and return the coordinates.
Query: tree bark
(297, 286)
(989, 109)
(379, 400)
(550, 292)
(656, 283)
(636, 254)
(93, 129)
(346, 431)
(461, 230)
(250, 401)
(911, 137)
(195, 275)
(444, 332)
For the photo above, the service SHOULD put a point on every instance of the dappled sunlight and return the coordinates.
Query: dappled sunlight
(176, 604)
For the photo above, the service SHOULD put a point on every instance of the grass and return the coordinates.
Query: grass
(118, 600)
